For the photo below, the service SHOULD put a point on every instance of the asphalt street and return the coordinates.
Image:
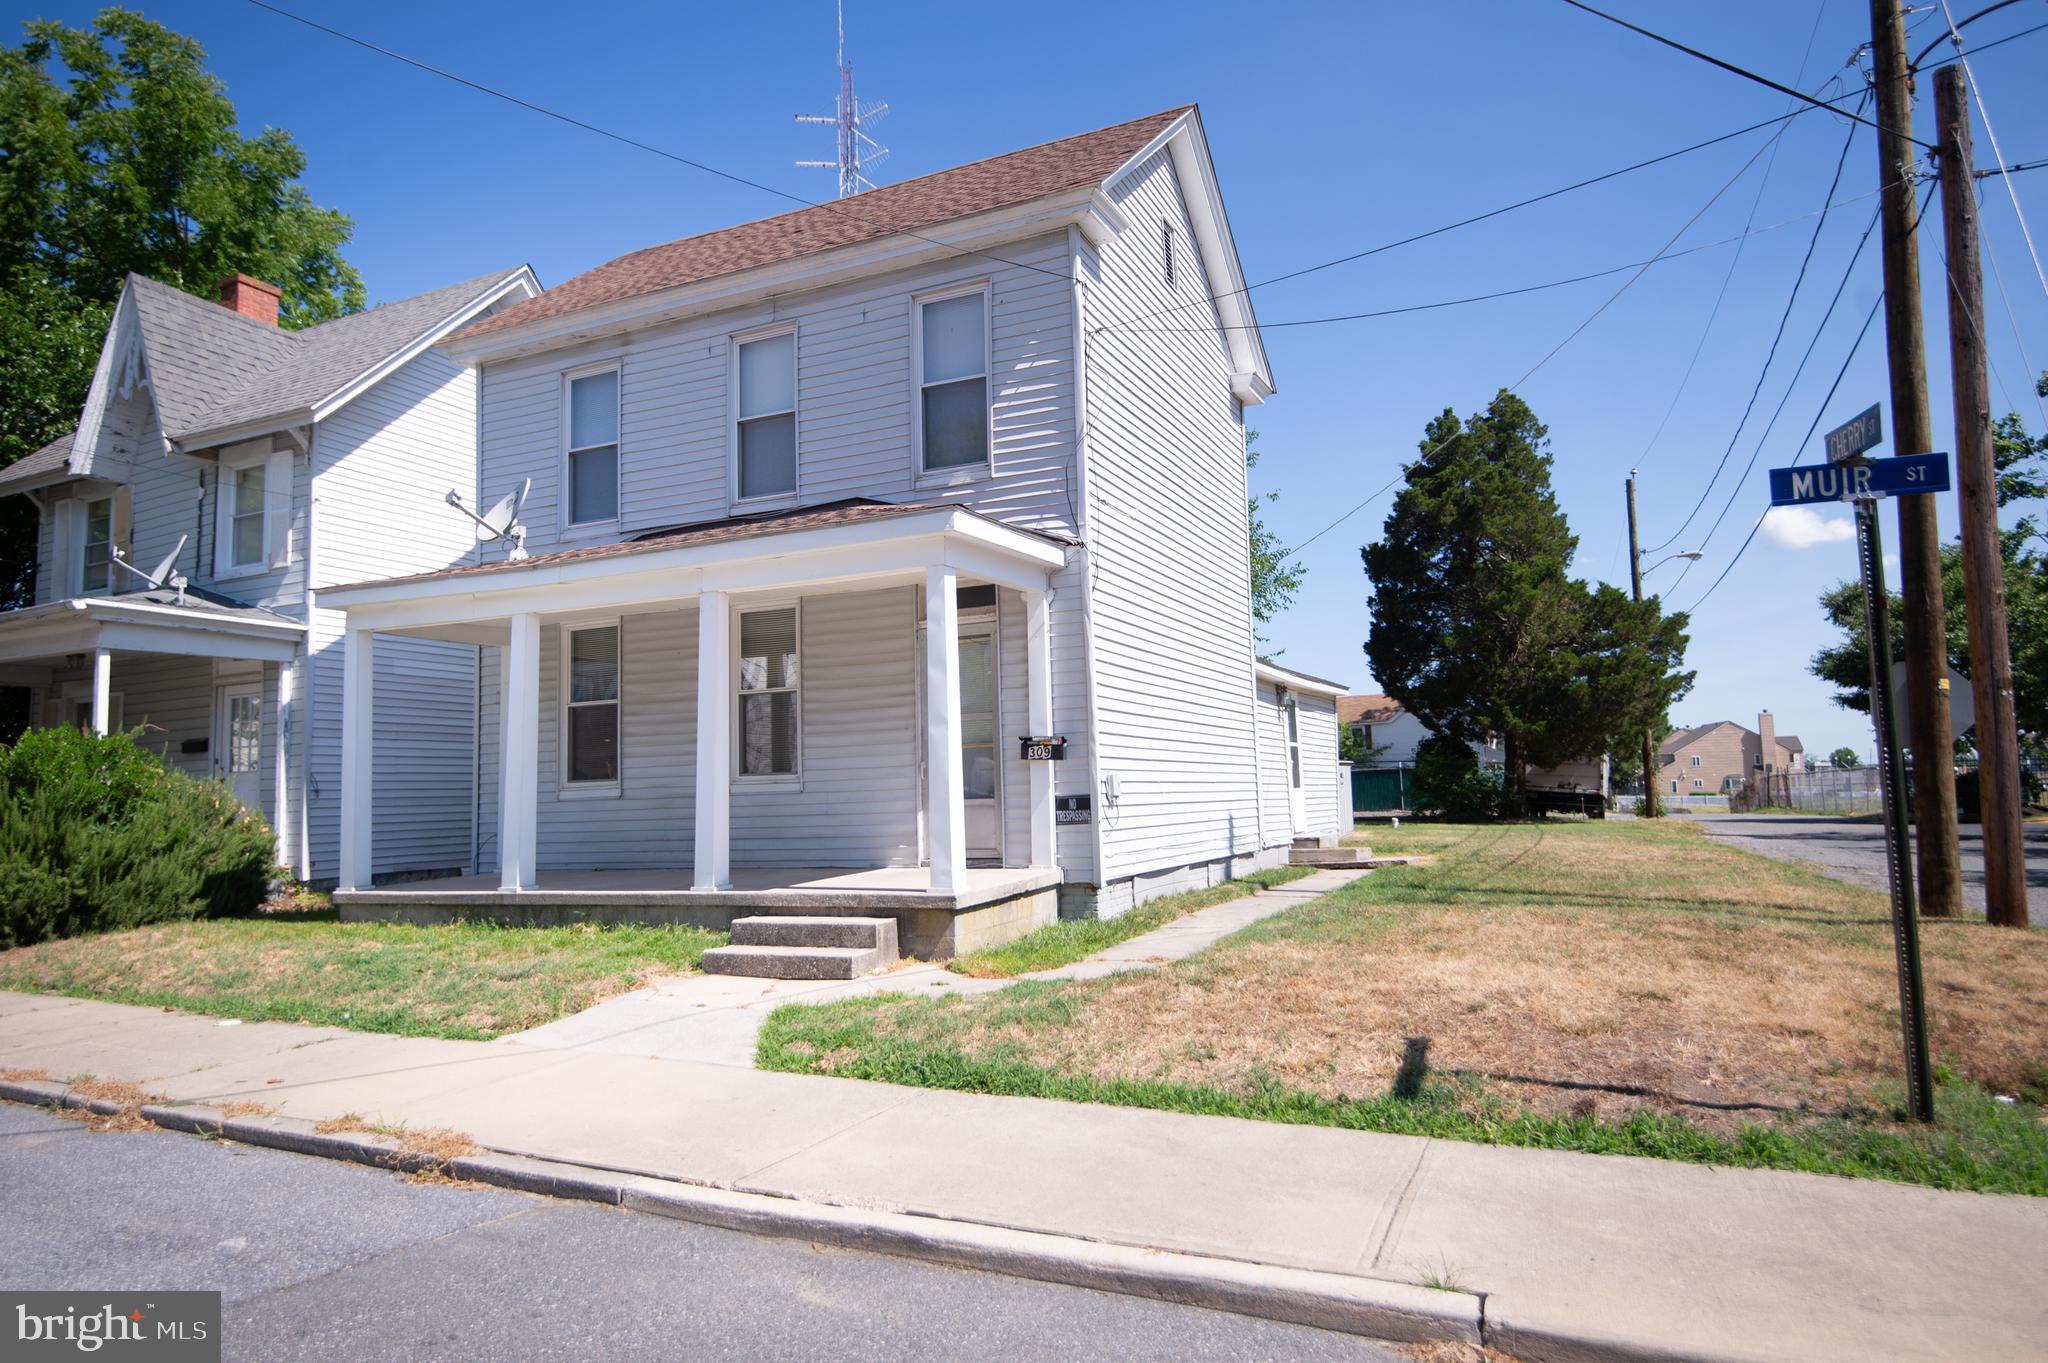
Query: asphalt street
(1853, 850)
(322, 1260)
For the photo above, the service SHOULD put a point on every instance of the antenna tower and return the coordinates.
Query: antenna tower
(857, 151)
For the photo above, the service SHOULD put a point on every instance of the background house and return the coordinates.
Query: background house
(1382, 722)
(1712, 759)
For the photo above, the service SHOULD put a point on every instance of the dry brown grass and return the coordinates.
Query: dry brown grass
(1443, 1351)
(1590, 969)
(24, 1076)
(430, 1150)
(128, 1114)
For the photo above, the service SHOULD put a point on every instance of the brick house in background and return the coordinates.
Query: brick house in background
(1711, 759)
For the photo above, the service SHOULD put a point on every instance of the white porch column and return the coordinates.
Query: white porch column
(712, 864)
(518, 802)
(102, 690)
(1038, 706)
(358, 708)
(281, 742)
(945, 812)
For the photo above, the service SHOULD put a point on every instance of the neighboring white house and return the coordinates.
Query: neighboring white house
(1385, 726)
(829, 512)
(262, 464)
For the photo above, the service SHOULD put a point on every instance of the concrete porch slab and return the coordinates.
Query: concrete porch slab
(796, 890)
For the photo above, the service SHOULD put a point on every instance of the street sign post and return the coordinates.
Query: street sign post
(1850, 477)
(1859, 434)
(1897, 477)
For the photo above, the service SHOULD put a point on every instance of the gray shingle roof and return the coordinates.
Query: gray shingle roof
(198, 350)
(47, 463)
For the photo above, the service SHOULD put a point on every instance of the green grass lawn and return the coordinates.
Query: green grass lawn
(1074, 939)
(1610, 987)
(464, 981)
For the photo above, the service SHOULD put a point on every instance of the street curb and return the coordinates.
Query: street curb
(1377, 1308)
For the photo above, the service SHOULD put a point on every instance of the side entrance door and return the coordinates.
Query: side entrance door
(238, 739)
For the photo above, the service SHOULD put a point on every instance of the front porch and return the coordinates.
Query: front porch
(809, 713)
(992, 904)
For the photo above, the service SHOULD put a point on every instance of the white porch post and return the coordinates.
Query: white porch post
(518, 803)
(102, 690)
(281, 815)
(712, 864)
(358, 701)
(945, 811)
(1038, 706)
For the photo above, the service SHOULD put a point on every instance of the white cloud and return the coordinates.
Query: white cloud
(1801, 527)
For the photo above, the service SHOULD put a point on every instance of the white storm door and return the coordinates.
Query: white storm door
(1297, 802)
(240, 733)
(980, 756)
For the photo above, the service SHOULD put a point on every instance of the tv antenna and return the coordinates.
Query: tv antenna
(165, 574)
(857, 151)
(501, 522)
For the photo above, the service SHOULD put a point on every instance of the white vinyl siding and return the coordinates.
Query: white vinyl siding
(1167, 537)
(1321, 776)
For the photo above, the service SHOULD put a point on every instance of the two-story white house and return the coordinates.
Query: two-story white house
(829, 513)
(259, 465)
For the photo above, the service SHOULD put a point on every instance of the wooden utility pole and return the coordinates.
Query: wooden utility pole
(1928, 733)
(1635, 579)
(1998, 747)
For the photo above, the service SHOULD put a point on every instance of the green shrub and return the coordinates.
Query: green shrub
(97, 834)
(1448, 781)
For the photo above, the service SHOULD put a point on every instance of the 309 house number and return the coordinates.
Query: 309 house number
(1049, 749)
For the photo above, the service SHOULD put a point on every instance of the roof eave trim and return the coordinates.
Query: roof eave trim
(124, 329)
(522, 280)
(240, 431)
(900, 250)
(1296, 681)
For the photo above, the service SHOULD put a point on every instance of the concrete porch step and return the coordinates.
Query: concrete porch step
(805, 947)
(1328, 856)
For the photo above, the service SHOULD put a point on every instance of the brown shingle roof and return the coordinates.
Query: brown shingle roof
(912, 206)
(1367, 709)
(850, 512)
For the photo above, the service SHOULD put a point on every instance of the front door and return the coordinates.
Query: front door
(981, 767)
(240, 732)
(1297, 802)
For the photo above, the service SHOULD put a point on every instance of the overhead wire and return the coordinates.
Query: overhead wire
(1984, 112)
(1770, 355)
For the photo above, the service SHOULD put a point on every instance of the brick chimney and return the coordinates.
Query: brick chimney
(251, 297)
(1767, 739)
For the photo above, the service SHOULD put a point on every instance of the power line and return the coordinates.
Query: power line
(1953, 27)
(1731, 67)
(1382, 248)
(838, 207)
(1208, 328)
(1770, 356)
(1977, 93)
(1549, 355)
(1815, 424)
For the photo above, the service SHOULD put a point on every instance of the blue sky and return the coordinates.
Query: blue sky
(1334, 128)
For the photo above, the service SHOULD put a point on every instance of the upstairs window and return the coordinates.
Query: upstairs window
(953, 381)
(96, 575)
(593, 454)
(1695, 759)
(768, 692)
(591, 707)
(766, 415)
(1166, 249)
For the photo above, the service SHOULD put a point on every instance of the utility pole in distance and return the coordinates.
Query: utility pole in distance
(1938, 854)
(1635, 579)
(1998, 745)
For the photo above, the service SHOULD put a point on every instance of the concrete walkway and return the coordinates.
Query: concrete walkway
(1570, 1256)
(716, 1018)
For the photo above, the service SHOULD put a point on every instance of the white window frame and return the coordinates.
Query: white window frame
(588, 790)
(573, 528)
(962, 473)
(740, 776)
(1696, 759)
(732, 414)
(85, 544)
(1699, 783)
(224, 565)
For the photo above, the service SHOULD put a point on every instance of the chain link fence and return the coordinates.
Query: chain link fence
(1854, 790)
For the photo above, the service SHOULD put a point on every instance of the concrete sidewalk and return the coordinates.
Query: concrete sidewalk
(717, 1018)
(1569, 1256)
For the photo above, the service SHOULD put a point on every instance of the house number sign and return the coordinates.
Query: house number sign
(1048, 749)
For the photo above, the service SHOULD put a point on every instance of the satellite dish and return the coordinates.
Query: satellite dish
(502, 520)
(164, 574)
